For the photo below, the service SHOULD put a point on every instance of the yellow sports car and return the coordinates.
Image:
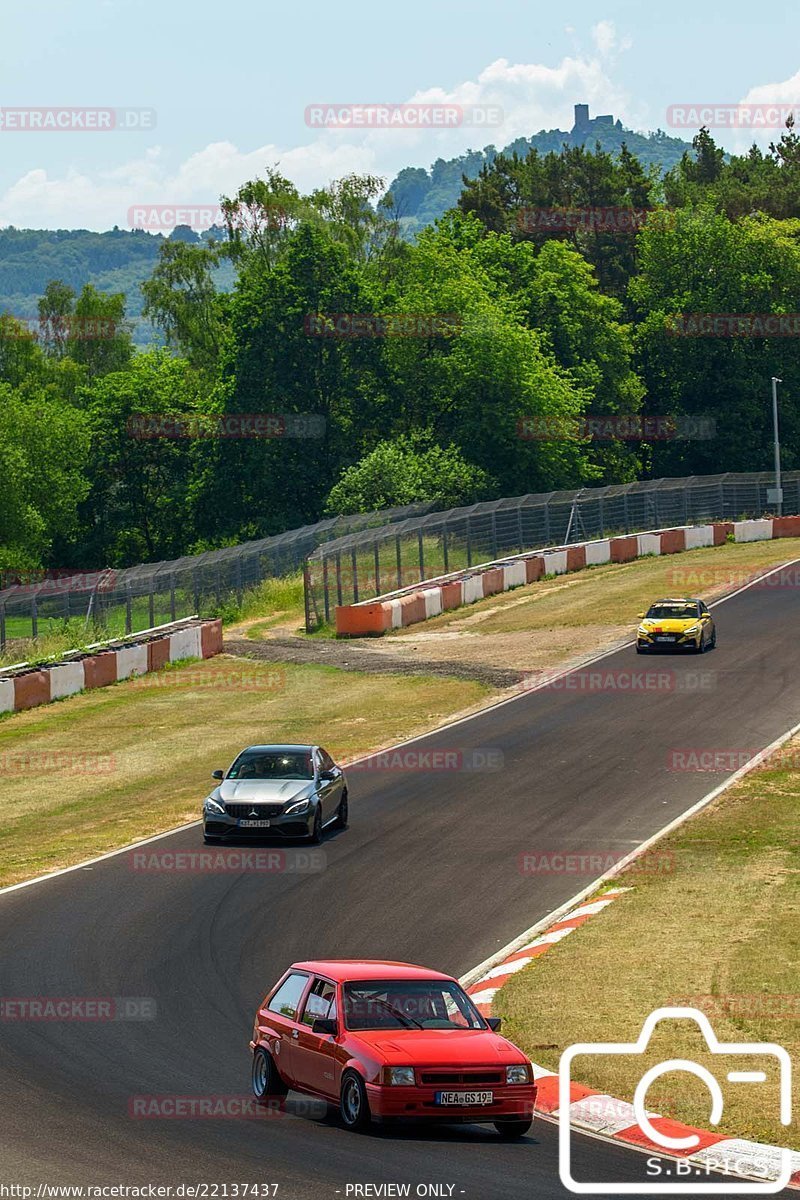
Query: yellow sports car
(676, 624)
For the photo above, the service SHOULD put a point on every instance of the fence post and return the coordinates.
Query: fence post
(519, 528)
(2, 625)
(547, 522)
(151, 606)
(377, 556)
(327, 603)
(399, 557)
(354, 565)
(237, 583)
(338, 577)
(196, 588)
(494, 534)
(469, 541)
(34, 618)
(444, 548)
(307, 595)
(172, 595)
(421, 556)
(625, 510)
(128, 609)
(600, 516)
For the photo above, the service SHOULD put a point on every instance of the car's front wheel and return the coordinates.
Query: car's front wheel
(342, 814)
(353, 1103)
(267, 1083)
(511, 1130)
(315, 837)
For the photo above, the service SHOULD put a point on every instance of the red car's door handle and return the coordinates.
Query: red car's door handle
(295, 1033)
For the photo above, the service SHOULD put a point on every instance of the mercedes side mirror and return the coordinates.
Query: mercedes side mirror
(325, 1025)
(217, 774)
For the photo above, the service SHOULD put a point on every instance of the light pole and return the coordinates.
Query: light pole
(778, 490)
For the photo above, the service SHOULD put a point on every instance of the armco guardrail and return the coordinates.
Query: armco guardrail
(407, 607)
(371, 562)
(27, 686)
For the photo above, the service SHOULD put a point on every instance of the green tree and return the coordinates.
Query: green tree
(139, 507)
(181, 299)
(43, 446)
(704, 265)
(405, 471)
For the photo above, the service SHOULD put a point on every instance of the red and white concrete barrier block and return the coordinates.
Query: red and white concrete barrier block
(28, 687)
(426, 600)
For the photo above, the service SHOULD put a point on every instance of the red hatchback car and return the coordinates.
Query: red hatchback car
(387, 1039)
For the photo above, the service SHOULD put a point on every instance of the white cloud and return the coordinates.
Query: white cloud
(530, 97)
(604, 36)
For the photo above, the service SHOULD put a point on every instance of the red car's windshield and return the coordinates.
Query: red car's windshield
(409, 1004)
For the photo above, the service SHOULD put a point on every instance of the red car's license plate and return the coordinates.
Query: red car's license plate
(465, 1099)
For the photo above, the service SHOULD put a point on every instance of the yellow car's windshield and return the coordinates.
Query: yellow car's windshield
(673, 612)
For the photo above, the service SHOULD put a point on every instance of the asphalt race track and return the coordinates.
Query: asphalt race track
(428, 871)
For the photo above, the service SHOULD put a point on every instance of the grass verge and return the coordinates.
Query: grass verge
(717, 930)
(101, 769)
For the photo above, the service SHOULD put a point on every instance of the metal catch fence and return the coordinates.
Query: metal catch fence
(140, 597)
(371, 562)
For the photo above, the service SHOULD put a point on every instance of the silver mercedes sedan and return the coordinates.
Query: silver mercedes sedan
(289, 791)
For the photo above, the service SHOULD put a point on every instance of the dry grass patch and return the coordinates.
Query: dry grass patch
(720, 931)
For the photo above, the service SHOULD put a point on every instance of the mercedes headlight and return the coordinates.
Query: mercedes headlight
(300, 806)
(213, 806)
(402, 1076)
(517, 1074)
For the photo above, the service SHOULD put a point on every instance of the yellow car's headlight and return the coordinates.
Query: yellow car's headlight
(692, 631)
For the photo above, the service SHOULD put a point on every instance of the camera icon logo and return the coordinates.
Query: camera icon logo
(695, 1180)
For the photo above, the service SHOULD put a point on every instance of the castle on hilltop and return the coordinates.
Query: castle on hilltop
(586, 124)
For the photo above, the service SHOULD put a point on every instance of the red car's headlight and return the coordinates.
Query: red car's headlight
(399, 1076)
(518, 1074)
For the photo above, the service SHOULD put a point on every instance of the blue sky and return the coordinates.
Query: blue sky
(230, 85)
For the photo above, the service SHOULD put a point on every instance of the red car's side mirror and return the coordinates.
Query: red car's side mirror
(325, 1025)
(494, 1023)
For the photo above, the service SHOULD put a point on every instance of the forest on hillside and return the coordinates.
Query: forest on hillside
(512, 347)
